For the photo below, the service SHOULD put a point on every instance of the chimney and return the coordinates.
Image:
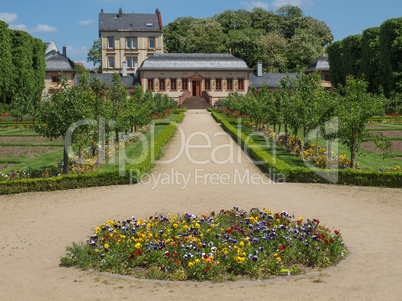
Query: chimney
(158, 13)
(259, 69)
(102, 11)
(65, 50)
(120, 13)
(135, 68)
(124, 65)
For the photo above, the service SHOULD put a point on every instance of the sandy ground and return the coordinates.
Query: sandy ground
(36, 228)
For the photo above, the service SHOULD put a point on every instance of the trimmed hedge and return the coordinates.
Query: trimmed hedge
(94, 179)
(277, 167)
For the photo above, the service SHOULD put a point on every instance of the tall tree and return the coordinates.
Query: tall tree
(271, 51)
(351, 56)
(5, 62)
(335, 58)
(23, 84)
(370, 58)
(391, 56)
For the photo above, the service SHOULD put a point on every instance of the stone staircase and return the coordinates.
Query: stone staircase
(195, 103)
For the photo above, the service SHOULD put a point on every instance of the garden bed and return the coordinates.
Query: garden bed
(370, 146)
(219, 246)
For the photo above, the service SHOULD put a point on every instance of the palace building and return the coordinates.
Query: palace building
(132, 45)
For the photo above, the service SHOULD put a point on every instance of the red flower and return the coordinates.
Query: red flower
(331, 241)
(336, 232)
(326, 242)
(207, 269)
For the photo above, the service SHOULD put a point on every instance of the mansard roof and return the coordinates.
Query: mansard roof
(55, 61)
(128, 82)
(194, 62)
(320, 64)
(129, 22)
(271, 79)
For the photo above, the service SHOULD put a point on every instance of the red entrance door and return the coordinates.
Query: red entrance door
(196, 88)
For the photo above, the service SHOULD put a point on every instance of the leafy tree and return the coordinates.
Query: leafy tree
(254, 36)
(302, 50)
(23, 85)
(391, 56)
(370, 57)
(57, 113)
(355, 108)
(5, 62)
(244, 44)
(233, 20)
(335, 58)
(205, 36)
(175, 34)
(271, 51)
(95, 54)
(39, 72)
(351, 56)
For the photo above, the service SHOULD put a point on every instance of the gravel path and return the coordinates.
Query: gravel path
(36, 228)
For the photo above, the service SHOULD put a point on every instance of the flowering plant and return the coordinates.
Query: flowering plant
(255, 244)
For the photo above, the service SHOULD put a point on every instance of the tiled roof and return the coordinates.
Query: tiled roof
(129, 22)
(193, 61)
(320, 64)
(55, 61)
(271, 79)
(128, 81)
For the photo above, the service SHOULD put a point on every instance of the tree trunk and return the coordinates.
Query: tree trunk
(65, 166)
(329, 154)
(352, 155)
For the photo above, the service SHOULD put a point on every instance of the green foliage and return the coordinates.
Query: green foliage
(6, 63)
(375, 56)
(283, 41)
(370, 62)
(95, 179)
(351, 55)
(355, 109)
(277, 167)
(335, 58)
(94, 54)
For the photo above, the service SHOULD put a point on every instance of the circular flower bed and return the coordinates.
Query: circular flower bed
(219, 246)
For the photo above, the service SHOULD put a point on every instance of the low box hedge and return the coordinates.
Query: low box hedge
(305, 175)
(94, 179)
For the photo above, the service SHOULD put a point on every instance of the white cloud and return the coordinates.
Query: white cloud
(71, 50)
(38, 28)
(298, 3)
(253, 4)
(7, 17)
(85, 22)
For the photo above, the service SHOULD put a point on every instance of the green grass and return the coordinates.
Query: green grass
(387, 126)
(39, 161)
(367, 160)
(10, 160)
(31, 144)
(133, 150)
(273, 149)
(7, 132)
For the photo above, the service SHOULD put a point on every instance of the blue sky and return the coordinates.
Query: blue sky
(74, 23)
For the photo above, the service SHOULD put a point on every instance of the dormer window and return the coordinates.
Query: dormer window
(150, 24)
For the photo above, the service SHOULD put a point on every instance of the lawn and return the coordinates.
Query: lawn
(368, 157)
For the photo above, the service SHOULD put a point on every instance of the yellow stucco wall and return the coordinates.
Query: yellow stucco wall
(120, 53)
